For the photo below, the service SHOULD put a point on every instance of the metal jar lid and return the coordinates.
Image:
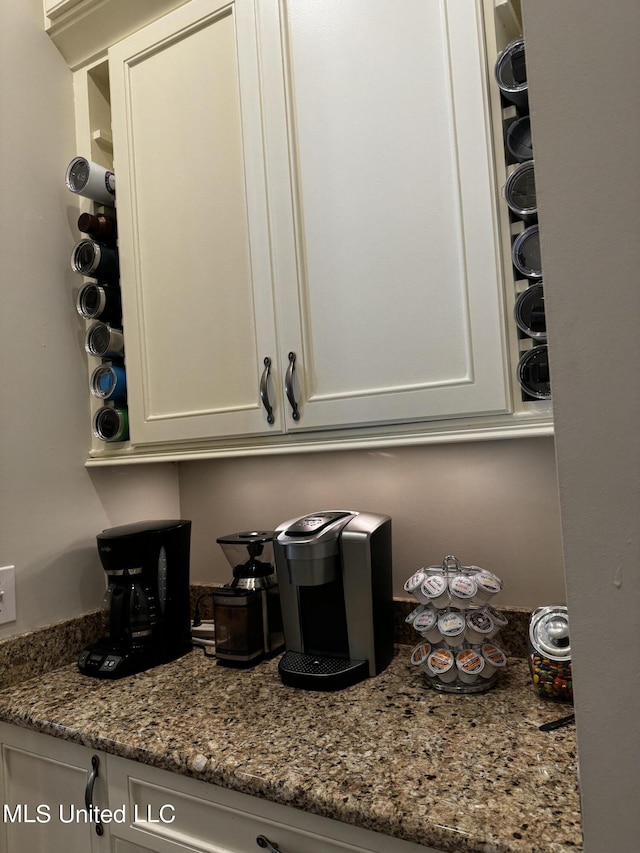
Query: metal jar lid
(529, 312)
(111, 424)
(511, 73)
(533, 373)
(526, 254)
(549, 632)
(520, 190)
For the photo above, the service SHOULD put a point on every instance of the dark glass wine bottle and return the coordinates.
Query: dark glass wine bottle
(98, 225)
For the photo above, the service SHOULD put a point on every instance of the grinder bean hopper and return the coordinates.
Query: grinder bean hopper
(246, 612)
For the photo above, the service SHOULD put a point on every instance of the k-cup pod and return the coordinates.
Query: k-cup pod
(452, 627)
(413, 586)
(533, 373)
(420, 653)
(441, 665)
(462, 589)
(511, 74)
(469, 665)
(479, 627)
(96, 260)
(426, 623)
(435, 590)
(520, 191)
(494, 659)
(109, 382)
(518, 140)
(525, 253)
(488, 585)
(410, 617)
(499, 621)
(111, 424)
(529, 312)
(103, 341)
(90, 180)
(100, 302)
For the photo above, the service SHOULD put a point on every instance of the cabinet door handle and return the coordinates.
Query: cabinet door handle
(88, 792)
(288, 387)
(264, 390)
(269, 846)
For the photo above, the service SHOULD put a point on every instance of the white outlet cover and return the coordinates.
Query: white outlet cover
(8, 599)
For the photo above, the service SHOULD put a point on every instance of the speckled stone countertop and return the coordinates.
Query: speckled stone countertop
(455, 772)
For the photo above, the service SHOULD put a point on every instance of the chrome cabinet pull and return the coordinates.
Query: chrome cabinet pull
(288, 387)
(264, 390)
(270, 847)
(88, 792)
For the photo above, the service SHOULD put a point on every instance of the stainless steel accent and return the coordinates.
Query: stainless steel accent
(264, 390)
(88, 792)
(549, 632)
(351, 551)
(104, 341)
(288, 387)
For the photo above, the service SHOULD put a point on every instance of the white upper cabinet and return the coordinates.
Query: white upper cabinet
(381, 191)
(193, 225)
(311, 238)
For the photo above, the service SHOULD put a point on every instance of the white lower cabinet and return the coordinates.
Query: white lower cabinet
(45, 785)
(44, 782)
(167, 812)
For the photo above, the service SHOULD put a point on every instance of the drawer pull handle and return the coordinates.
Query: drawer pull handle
(88, 791)
(267, 845)
(264, 390)
(288, 387)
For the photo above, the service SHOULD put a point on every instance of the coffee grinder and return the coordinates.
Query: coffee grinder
(246, 612)
(147, 566)
(334, 575)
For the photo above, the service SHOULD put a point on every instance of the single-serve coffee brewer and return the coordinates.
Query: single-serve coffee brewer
(147, 600)
(246, 612)
(334, 575)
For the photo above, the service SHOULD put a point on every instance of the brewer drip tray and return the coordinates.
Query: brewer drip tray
(314, 672)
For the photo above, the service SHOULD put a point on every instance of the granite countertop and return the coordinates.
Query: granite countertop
(456, 772)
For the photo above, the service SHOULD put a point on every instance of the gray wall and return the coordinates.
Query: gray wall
(50, 506)
(492, 504)
(584, 77)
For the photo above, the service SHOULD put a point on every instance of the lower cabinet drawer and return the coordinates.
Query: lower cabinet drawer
(166, 812)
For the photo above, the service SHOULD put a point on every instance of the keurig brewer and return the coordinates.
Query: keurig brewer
(147, 566)
(334, 576)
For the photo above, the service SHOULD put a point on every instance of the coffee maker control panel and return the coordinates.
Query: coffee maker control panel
(309, 525)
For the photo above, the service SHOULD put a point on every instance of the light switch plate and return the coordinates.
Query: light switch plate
(7, 594)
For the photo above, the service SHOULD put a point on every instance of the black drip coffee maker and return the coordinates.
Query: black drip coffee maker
(246, 612)
(147, 601)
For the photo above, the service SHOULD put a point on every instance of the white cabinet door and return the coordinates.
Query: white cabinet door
(381, 189)
(198, 308)
(43, 784)
(168, 812)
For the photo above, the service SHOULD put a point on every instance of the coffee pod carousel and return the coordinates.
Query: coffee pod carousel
(459, 649)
